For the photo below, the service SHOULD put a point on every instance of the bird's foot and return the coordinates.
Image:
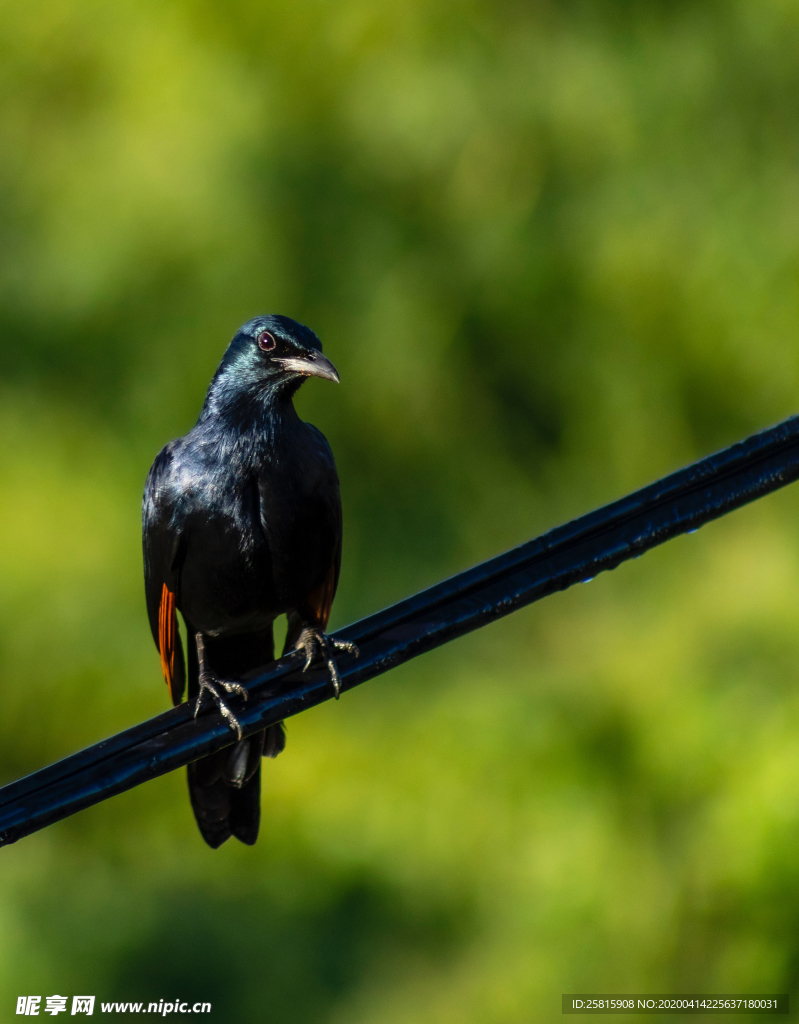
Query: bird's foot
(317, 644)
(210, 685)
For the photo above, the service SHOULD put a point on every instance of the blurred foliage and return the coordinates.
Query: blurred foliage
(553, 249)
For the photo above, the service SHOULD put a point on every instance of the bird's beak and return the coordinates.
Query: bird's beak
(312, 365)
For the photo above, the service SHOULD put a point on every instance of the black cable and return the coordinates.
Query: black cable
(568, 554)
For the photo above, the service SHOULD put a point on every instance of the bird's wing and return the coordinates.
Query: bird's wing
(315, 610)
(320, 601)
(162, 547)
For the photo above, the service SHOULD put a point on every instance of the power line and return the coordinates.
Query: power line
(569, 554)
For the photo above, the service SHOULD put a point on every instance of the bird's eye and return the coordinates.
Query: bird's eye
(266, 341)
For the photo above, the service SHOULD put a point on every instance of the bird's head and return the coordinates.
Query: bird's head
(270, 356)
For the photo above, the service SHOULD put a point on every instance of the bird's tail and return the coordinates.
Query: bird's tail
(225, 788)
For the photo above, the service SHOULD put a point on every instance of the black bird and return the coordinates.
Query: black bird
(242, 523)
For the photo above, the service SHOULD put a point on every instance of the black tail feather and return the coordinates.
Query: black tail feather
(274, 740)
(225, 787)
(210, 799)
(245, 809)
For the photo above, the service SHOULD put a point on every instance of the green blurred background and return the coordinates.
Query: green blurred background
(553, 249)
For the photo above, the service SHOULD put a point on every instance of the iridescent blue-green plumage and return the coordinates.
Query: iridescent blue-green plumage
(242, 523)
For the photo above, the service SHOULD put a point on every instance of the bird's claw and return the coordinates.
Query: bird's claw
(208, 688)
(315, 643)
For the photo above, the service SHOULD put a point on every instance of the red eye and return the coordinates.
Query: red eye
(266, 341)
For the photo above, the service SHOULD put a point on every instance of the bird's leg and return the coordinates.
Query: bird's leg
(209, 683)
(316, 643)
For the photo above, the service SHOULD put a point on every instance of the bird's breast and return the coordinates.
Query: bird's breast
(226, 573)
(259, 538)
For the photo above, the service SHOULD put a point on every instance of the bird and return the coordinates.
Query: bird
(242, 523)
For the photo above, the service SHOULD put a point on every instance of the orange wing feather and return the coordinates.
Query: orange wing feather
(320, 600)
(167, 633)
